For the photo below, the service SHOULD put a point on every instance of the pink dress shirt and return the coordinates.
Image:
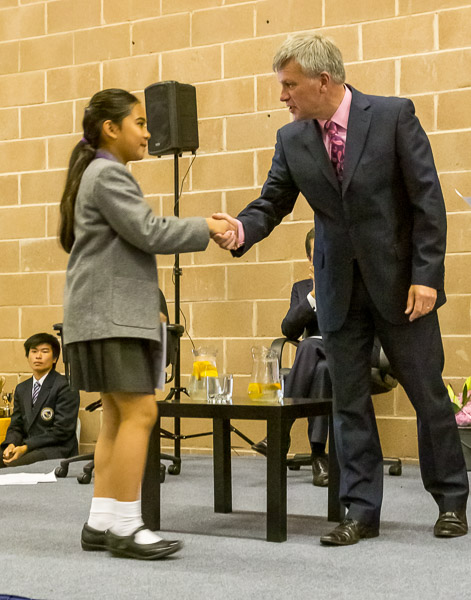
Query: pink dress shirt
(340, 118)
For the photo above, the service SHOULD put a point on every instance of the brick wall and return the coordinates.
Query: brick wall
(55, 54)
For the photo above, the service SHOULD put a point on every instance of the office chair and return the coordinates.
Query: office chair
(382, 381)
(174, 332)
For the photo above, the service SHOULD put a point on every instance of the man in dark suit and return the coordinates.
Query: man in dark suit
(309, 376)
(44, 420)
(365, 166)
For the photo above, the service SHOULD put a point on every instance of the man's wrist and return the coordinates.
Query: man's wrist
(240, 234)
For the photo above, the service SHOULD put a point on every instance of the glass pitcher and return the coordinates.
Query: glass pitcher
(265, 381)
(204, 377)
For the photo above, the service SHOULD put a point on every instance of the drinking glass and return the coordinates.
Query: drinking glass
(221, 392)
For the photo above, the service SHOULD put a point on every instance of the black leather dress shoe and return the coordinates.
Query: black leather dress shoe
(93, 539)
(126, 546)
(320, 471)
(260, 447)
(349, 532)
(451, 524)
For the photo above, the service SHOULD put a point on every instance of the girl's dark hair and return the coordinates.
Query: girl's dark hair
(112, 104)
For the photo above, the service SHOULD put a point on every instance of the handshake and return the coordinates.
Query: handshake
(224, 230)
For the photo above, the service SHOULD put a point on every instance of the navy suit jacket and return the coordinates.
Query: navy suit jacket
(389, 213)
(301, 318)
(51, 424)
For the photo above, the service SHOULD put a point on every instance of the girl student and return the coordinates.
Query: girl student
(112, 328)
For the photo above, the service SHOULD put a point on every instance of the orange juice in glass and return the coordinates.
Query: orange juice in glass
(267, 391)
(204, 375)
(265, 382)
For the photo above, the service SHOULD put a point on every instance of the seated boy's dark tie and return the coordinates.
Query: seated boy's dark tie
(36, 388)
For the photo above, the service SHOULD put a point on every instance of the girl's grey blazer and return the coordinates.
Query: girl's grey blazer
(112, 287)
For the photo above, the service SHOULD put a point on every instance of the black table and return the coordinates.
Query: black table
(278, 415)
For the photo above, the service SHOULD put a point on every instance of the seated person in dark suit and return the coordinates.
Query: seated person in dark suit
(309, 376)
(45, 411)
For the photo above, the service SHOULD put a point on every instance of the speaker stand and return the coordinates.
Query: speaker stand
(177, 389)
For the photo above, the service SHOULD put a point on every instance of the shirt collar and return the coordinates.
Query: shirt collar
(40, 381)
(340, 116)
(100, 153)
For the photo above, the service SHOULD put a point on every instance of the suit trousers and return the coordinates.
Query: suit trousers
(415, 352)
(309, 378)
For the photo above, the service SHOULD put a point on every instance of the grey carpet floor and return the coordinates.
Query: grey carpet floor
(226, 556)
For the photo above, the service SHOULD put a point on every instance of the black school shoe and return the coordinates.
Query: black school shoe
(127, 547)
(451, 524)
(93, 539)
(260, 447)
(349, 532)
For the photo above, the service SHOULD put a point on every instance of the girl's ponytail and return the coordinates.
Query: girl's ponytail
(82, 156)
(113, 105)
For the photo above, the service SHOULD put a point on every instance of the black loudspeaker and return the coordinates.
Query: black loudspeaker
(172, 118)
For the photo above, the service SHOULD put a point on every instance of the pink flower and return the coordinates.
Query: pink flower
(463, 417)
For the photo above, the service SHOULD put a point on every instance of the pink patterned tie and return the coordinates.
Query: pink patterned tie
(337, 148)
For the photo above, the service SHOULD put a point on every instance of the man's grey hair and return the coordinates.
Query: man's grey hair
(314, 53)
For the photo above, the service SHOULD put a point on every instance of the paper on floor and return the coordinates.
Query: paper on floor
(27, 478)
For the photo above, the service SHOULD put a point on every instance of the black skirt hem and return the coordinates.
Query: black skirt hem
(131, 365)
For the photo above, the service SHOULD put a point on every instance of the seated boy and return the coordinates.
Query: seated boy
(45, 410)
(309, 376)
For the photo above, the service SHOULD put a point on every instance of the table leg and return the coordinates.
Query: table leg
(276, 479)
(150, 494)
(222, 465)
(335, 510)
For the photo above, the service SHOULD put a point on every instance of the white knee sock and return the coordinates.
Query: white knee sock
(102, 513)
(128, 518)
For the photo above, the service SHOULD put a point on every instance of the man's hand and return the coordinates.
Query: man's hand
(420, 301)
(228, 240)
(15, 453)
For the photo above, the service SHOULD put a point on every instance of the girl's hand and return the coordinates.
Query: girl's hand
(218, 226)
(227, 239)
(223, 232)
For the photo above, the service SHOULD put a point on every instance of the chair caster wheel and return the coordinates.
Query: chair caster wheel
(61, 471)
(162, 473)
(174, 469)
(294, 467)
(395, 471)
(84, 477)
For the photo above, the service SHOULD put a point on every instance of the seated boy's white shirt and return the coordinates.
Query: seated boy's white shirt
(312, 302)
